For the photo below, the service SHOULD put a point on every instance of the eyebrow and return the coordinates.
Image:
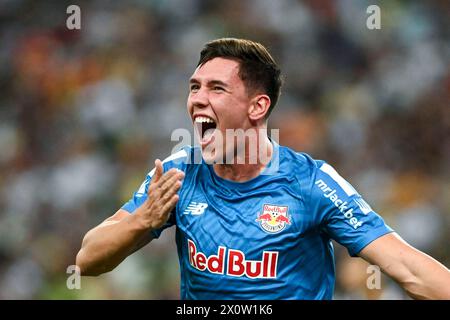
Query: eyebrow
(210, 83)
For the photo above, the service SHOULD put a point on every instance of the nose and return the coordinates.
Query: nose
(199, 98)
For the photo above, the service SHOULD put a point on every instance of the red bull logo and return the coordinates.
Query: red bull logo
(273, 219)
(234, 263)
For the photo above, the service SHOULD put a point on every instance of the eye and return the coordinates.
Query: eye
(218, 89)
(194, 87)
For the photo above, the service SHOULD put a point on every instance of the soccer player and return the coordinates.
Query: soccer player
(252, 227)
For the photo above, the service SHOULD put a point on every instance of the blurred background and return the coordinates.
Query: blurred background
(84, 113)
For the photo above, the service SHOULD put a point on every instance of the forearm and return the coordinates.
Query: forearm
(427, 278)
(107, 245)
(420, 275)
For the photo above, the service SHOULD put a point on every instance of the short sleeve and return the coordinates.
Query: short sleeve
(342, 212)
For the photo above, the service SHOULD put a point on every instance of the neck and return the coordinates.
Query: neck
(250, 164)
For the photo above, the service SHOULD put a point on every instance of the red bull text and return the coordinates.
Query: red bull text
(234, 263)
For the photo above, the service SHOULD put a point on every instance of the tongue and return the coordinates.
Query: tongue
(208, 134)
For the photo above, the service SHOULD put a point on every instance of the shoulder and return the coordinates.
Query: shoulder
(313, 174)
(178, 159)
(181, 159)
(301, 164)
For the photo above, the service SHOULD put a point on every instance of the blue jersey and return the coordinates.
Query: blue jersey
(266, 238)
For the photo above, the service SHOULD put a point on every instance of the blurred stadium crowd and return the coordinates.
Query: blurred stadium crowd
(84, 113)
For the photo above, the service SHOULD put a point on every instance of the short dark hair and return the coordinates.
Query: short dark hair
(257, 69)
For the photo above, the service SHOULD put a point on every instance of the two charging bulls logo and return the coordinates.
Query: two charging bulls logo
(274, 219)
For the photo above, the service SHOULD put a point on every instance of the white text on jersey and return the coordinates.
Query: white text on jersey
(341, 205)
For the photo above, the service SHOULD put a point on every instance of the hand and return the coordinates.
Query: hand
(161, 197)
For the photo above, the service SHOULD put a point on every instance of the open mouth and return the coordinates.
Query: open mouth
(205, 127)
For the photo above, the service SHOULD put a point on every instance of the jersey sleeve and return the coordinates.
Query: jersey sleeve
(177, 160)
(342, 212)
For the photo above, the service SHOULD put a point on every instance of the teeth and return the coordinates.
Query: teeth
(201, 119)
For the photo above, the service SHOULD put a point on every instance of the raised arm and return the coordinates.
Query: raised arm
(108, 244)
(421, 276)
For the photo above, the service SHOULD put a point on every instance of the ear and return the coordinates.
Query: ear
(259, 107)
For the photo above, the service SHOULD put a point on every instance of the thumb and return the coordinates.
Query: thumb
(158, 170)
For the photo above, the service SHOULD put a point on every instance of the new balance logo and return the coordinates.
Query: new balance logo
(196, 208)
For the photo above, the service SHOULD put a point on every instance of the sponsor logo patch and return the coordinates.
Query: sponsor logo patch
(233, 262)
(273, 219)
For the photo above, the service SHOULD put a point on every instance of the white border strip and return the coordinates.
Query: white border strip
(347, 187)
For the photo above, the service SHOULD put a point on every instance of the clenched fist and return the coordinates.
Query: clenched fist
(161, 197)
